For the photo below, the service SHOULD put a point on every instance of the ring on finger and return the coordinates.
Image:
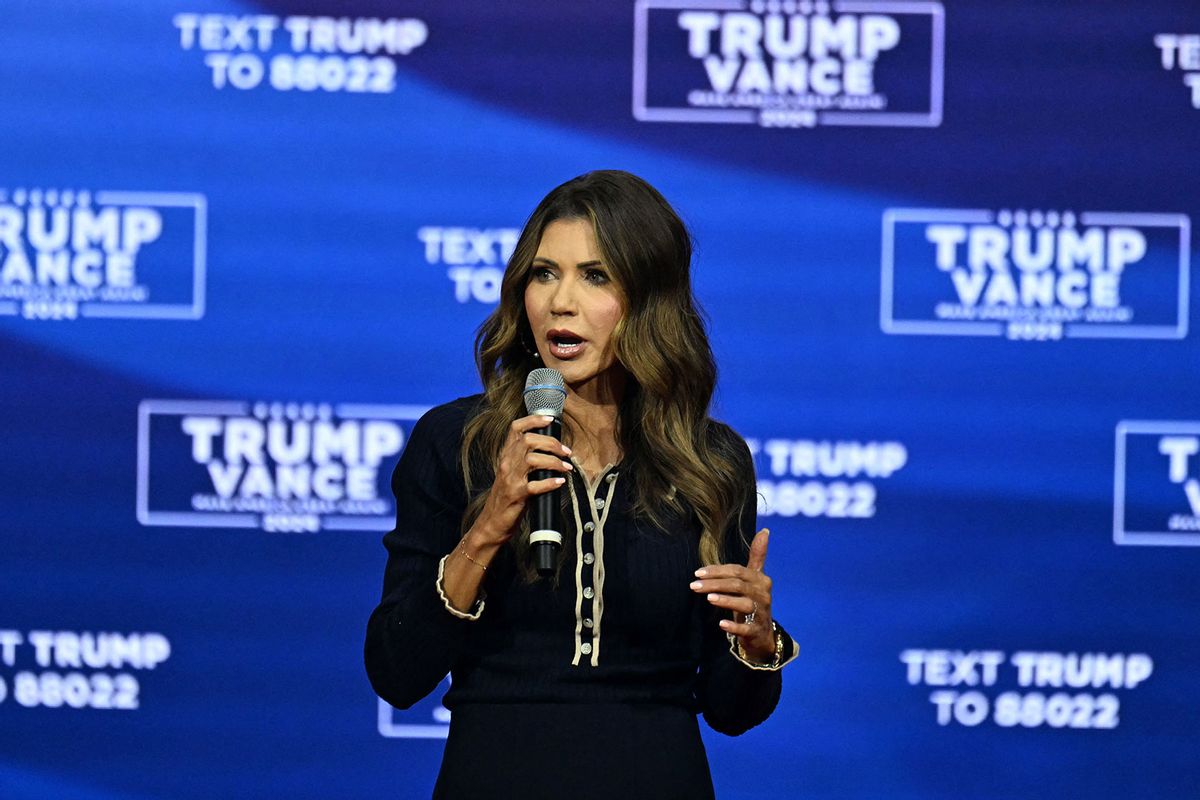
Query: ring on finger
(749, 618)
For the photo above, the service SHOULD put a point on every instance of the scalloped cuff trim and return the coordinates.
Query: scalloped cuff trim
(476, 608)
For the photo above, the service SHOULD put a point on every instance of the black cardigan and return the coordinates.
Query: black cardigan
(620, 625)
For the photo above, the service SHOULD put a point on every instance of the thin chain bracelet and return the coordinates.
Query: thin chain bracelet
(462, 549)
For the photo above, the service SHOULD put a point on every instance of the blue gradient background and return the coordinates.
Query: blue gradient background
(996, 534)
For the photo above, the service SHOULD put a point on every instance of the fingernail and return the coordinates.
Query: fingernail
(568, 465)
(695, 584)
(547, 418)
(560, 480)
(566, 450)
(726, 624)
(700, 573)
(712, 597)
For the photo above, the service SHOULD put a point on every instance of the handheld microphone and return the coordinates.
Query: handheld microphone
(545, 393)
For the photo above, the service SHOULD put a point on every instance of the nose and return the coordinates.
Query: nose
(563, 300)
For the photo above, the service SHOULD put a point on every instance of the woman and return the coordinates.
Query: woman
(586, 684)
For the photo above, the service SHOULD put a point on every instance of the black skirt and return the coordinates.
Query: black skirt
(577, 751)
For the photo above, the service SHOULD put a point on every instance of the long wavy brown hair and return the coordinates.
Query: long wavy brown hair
(681, 465)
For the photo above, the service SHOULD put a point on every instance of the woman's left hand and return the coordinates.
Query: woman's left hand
(746, 591)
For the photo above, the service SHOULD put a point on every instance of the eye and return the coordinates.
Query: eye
(541, 274)
(596, 276)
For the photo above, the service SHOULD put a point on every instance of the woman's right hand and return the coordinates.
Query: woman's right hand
(512, 488)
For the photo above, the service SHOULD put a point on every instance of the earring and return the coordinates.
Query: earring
(529, 350)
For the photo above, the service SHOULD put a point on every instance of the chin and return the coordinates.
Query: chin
(574, 374)
(582, 373)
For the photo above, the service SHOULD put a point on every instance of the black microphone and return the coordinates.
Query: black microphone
(545, 393)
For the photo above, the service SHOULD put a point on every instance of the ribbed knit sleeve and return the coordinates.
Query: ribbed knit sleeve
(412, 638)
(733, 696)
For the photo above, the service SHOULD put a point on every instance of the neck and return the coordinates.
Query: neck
(600, 394)
(591, 410)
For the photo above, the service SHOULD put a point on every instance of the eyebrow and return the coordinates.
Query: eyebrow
(580, 265)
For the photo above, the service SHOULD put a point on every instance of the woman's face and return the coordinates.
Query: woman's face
(572, 304)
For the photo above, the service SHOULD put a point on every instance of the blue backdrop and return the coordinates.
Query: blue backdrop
(944, 249)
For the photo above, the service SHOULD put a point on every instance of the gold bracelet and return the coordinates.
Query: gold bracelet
(774, 662)
(462, 549)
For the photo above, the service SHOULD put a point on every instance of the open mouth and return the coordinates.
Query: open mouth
(565, 344)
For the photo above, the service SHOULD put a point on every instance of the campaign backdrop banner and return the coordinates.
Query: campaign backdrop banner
(945, 251)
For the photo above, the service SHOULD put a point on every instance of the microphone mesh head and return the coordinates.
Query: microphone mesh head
(545, 392)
